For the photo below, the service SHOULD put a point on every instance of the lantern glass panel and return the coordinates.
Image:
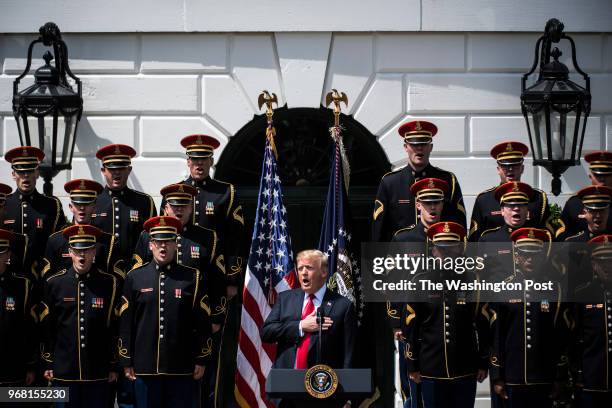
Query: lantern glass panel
(537, 125)
(38, 132)
(565, 131)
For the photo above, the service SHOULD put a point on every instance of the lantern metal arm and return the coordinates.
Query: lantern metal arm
(51, 96)
(51, 36)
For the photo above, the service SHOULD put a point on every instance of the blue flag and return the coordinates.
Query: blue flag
(336, 239)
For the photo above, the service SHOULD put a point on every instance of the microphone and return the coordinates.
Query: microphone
(320, 320)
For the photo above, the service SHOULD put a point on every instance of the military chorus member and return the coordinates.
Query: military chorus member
(429, 196)
(164, 333)
(446, 334)
(513, 198)
(591, 354)
(83, 194)
(26, 210)
(600, 174)
(79, 326)
(595, 202)
(196, 246)
(216, 206)
(595, 210)
(486, 214)
(394, 207)
(530, 329)
(18, 242)
(18, 337)
(120, 210)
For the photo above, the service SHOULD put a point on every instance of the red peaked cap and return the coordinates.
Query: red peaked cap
(509, 152)
(200, 145)
(600, 162)
(429, 189)
(116, 155)
(514, 192)
(82, 236)
(446, 232)
(24, 157)
(418, 131)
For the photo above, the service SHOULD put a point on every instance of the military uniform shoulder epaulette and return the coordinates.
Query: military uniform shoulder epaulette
(408, 228)
(392, 172)
(583, 286)
(490, 230)
(56, 233)
(575, 235)
(137, 268)
(55, 275)
(486, 191)
(221, 182)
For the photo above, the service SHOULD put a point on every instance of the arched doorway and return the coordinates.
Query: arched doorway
(303, 143)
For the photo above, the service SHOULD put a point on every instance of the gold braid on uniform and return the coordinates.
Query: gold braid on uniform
(123, 351)
(411, 314)
(206, 349)
(380, 207)
(237, 214)
(221, 263)
(392, 313)
(124, 306)
(219, 309)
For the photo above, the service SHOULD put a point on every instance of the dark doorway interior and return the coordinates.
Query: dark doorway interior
(303, 143)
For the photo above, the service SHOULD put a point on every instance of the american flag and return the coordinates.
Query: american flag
(270, 270)
(336, 239)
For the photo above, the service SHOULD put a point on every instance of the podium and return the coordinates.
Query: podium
(288, 384)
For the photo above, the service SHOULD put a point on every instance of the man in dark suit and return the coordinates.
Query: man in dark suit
(292, 323)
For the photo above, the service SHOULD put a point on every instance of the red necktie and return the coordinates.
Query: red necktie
(301, 357)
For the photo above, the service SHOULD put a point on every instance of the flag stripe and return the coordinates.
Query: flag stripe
(245, 389)
(269, 271)
(249, 350)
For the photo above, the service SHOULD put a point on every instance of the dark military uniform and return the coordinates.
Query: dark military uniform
(19, 249)
(592, 344)
(530, 340)
(447, 339)
(572, 223)
(395, 208)
(216, 207)
(487, 214)
(164, 331)
(18, 337)
(79, 324)
(122, 214)
(413, 233)
(196, 248)
(497, 246)
(58, 258)
(36, 216)
(79, 332)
